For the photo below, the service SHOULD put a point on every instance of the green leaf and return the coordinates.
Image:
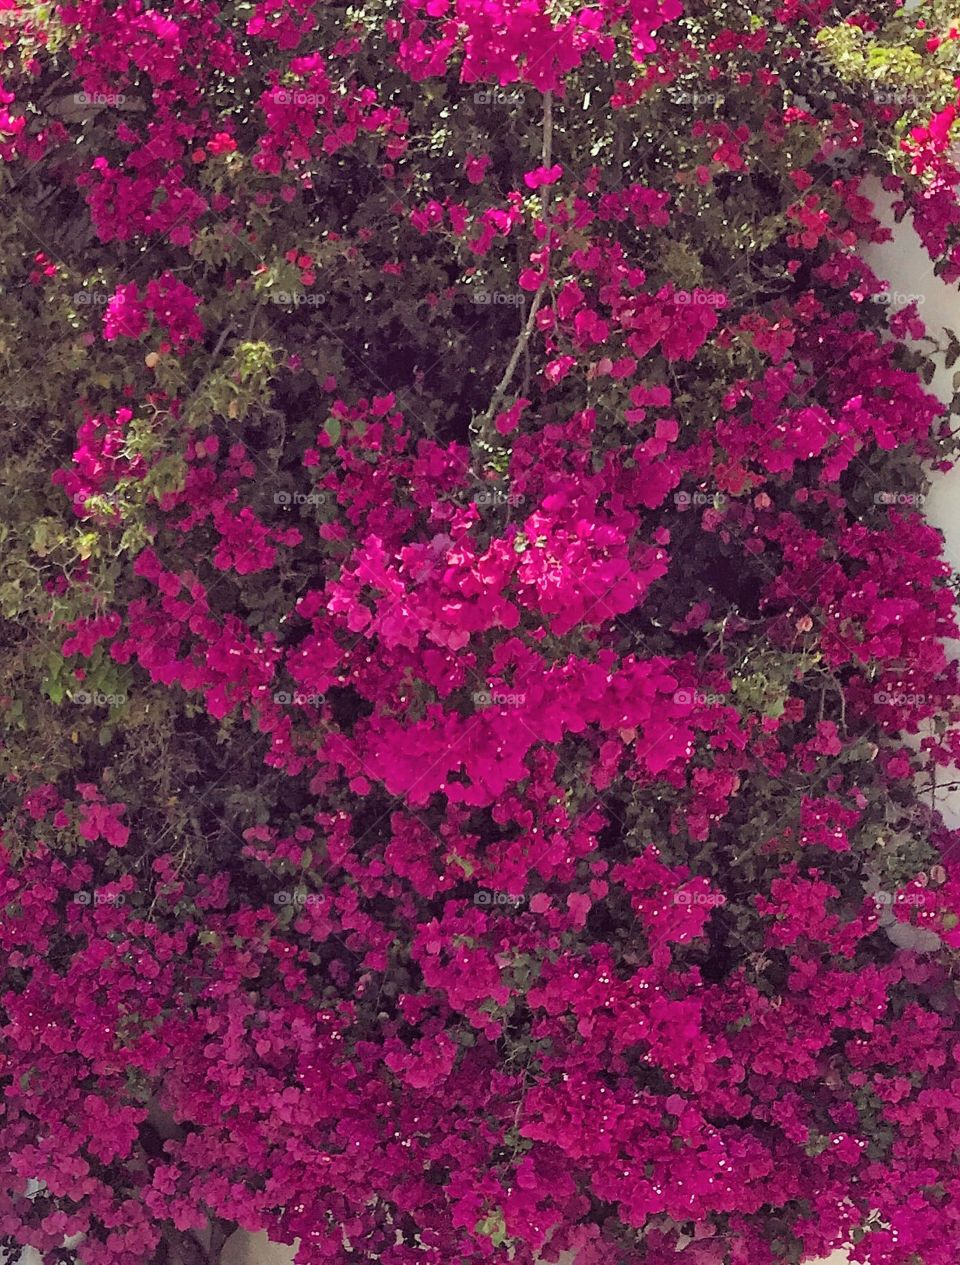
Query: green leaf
(47, 534)
(54, 690)
(494, 1226)
(87, 545)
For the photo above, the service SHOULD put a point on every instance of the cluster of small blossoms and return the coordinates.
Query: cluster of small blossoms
(169, 302)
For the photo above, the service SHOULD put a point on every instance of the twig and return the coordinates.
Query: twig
(220, 1231)
(520, 347)
(224, 335)
(508, 373)
(546, 149)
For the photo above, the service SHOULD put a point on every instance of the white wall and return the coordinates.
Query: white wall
(255, 1249)
(906, 265)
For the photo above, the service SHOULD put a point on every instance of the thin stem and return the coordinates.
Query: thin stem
(546, 150)
(520, 348)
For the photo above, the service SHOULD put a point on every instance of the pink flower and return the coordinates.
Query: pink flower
(476, 168)
(542, 176)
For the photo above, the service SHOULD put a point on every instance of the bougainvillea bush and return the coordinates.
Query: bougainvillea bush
(475, 670)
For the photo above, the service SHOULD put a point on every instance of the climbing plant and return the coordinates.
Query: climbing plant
(474, 667)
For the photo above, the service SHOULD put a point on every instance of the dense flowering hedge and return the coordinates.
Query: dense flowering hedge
(474, 662)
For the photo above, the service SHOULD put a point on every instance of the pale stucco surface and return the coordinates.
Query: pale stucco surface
(254, 1249)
